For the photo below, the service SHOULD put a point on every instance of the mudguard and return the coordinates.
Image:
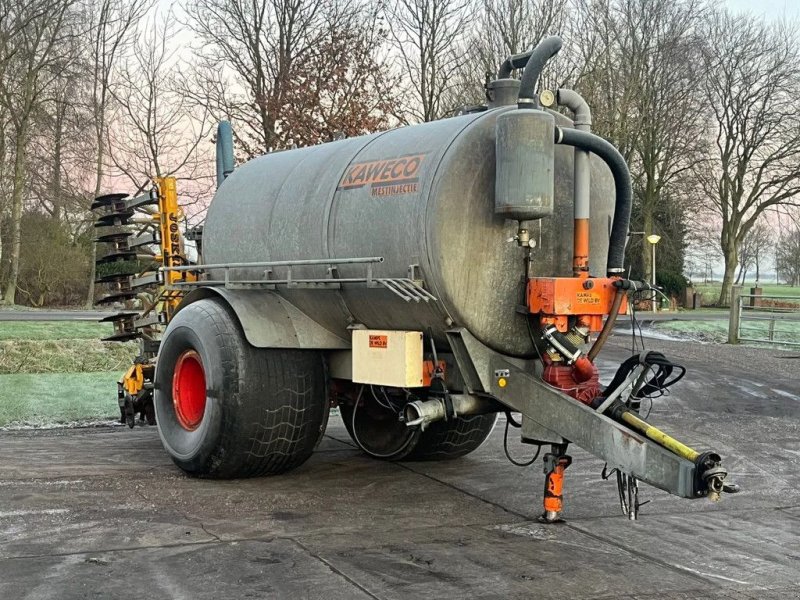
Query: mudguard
(270, 321)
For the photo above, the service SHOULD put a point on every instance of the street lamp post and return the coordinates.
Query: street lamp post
(653, 239)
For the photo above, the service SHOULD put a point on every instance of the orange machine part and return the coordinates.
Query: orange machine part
(556, 298)
(428, 370)
(554, 486)
(580, 248)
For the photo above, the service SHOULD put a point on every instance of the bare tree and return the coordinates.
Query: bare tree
(754, 248)
(429, 42)
(58, 141)
(509, 27)
(641, 81)
(351, 96)
(156, 134)
(752, 75)
(262, 65)
(111, 35)
(702, 238)
(788, 254)
(28, 72)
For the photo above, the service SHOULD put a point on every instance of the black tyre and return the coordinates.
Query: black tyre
(380, 435)
(378, 432)
(444, 440)
(226, 409)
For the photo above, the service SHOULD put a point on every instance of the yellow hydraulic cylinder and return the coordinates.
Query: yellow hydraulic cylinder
(659, 436)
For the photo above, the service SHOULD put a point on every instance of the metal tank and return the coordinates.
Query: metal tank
(421, 197)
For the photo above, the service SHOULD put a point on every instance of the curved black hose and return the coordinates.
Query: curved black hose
(515, 61)
(543, 52)
(608, 327)
(527, 463)
(622, 182)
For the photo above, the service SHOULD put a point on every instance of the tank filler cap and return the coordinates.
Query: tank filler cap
(547, 98)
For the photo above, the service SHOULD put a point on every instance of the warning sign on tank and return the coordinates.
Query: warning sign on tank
(378, 341)
(386, 177)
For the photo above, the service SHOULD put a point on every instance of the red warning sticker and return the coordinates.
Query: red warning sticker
(379, 341)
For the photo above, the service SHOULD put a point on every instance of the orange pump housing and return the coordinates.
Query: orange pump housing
(555, 299)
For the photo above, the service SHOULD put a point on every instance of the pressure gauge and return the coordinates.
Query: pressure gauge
(547, 98)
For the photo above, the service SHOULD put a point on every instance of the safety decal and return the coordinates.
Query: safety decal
(379, 341)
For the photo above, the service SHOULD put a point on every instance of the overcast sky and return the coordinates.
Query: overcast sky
(769, 8)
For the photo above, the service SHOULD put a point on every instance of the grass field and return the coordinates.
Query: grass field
(716, 331)
(710, 291)
(53, 330)
(41, 399)
(59, 372)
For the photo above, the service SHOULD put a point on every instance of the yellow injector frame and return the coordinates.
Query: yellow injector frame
(144, 229)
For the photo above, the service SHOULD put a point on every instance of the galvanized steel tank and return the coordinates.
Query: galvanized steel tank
(420, 195)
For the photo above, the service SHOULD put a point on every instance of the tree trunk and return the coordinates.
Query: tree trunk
(2, 197)
(727, 279)
(17, 196)
(58, 203)
(98, 182)
(758, 273)
(647, 272)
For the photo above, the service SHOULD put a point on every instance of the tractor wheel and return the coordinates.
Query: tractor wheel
(225, 409)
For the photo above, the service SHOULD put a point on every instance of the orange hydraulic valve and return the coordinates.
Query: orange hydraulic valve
(555, 299)
(554, 467)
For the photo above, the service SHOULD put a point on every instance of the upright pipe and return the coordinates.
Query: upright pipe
(622, 183)
(543, 52)
(515, 61)
(582, 182)
(225, 159)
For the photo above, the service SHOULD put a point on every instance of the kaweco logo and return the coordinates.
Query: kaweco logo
(387, 177)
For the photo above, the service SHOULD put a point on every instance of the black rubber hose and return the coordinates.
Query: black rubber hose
(515, 61)
(608, 327)
(622, 182)
(543, 52)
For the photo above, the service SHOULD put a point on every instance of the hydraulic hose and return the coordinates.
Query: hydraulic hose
(622, 182)
(543, 52)
(609, 325)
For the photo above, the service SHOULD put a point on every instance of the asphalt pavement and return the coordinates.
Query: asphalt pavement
(102, 513)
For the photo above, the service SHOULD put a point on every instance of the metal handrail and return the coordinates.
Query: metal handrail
(277, 263)
(405, 288)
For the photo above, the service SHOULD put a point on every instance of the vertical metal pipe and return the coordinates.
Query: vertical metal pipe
(653, 282)
(581, 180)
(735, 315)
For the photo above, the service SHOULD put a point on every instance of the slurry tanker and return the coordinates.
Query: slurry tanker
(421, 279)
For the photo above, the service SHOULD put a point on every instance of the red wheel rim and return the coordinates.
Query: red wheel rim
(189, 390)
